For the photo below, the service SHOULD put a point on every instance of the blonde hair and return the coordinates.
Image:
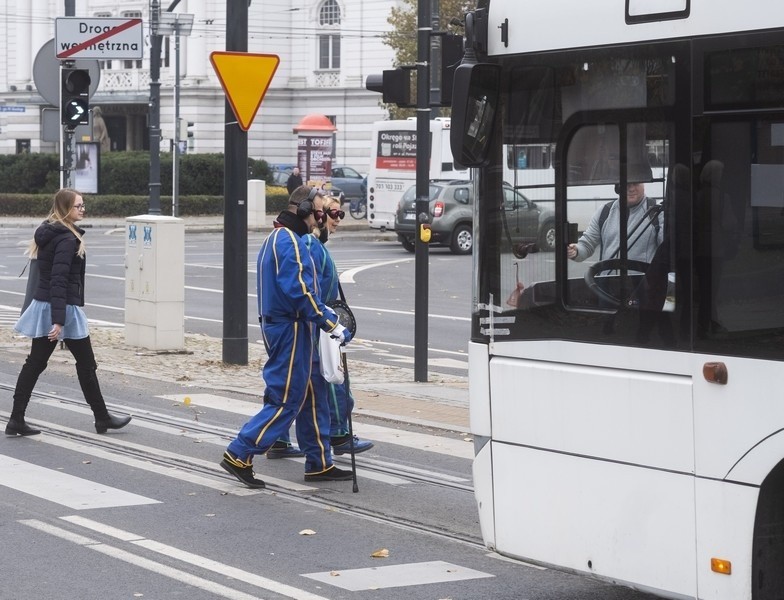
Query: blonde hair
(62, 205)
(329, 201)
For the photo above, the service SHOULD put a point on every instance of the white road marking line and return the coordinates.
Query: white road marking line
(67, 490)
(409, 313)
(348, 276)
(141, 562)
(231, 487)
(195, 560)
(410, 439)
(374, 578)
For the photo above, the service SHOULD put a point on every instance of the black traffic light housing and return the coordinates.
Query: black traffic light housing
(394, 85)
(74, 97)
(451, 55)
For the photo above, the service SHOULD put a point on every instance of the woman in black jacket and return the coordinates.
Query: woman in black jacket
(56, 314)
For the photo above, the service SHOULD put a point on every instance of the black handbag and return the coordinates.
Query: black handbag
(32, 281)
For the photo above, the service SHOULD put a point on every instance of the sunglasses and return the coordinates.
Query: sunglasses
(336, 214)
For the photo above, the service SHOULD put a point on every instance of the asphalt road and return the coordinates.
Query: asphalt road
(377, 278)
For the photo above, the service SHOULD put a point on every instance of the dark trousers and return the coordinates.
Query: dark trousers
(36, 362)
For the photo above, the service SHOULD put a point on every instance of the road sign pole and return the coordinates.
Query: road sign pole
(422, 252)
(154, 206)
(176, 135)
(235, 216)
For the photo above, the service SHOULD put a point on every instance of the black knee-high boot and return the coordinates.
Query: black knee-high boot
(88, 381)
(25, 384)
(86, 370)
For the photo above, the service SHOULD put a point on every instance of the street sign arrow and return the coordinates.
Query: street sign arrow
(245, 79)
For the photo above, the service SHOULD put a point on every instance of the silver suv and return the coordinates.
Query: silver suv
(451, 212)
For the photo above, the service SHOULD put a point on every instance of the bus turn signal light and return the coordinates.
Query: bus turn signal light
(719, 565)
(715, 372)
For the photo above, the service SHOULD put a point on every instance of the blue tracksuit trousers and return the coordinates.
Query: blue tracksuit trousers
(289, 389)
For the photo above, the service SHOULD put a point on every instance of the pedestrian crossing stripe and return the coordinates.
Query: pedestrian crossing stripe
(67, 490)
(375, 578)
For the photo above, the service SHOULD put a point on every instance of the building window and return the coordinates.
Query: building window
(329, 13)
(329, 52)
(329, 38)
(132, 64)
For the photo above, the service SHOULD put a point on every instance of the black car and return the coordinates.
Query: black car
(451, 212)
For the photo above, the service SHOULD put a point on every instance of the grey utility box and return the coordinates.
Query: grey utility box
(155, 282)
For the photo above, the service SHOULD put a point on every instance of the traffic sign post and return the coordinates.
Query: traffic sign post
(86, 38)
(245, 78)
(77, 37)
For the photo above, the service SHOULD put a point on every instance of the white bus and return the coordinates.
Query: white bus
(627, 416)
(393, 165)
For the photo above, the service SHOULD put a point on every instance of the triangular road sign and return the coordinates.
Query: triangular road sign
(245, 79)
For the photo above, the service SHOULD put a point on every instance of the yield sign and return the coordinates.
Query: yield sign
(245, 79)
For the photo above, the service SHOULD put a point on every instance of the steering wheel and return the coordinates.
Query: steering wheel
(612, 264)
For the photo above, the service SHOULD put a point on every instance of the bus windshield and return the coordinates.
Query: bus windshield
(590, 130)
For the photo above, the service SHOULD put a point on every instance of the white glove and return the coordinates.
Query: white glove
(341, 334)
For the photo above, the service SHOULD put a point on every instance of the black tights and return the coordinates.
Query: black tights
(36, 362)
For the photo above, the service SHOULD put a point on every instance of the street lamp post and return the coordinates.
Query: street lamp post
(176, 24)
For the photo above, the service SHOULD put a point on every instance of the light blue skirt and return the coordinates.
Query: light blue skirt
(36, 322)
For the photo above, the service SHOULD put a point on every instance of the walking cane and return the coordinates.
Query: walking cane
(346, 318)
(355, 487)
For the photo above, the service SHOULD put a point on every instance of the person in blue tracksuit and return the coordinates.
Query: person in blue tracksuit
(337, 401)
(290, 311)
(341, 403)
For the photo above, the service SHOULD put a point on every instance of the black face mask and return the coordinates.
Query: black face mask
(324, 235)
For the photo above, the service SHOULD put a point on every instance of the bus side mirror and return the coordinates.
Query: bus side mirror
(474, 107)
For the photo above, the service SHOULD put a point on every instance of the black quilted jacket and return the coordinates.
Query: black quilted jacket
(61, 270)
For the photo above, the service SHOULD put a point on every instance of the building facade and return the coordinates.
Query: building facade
(327, 48)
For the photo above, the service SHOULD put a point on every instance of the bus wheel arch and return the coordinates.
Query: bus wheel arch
(767, 578)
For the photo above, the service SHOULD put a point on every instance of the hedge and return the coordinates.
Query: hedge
(124, 173)
(115, 205)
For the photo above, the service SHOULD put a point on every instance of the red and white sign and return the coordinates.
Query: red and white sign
(76, 37)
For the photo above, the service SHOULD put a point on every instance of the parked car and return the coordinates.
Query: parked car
(349, 181)
(280, 178)
(451, 211)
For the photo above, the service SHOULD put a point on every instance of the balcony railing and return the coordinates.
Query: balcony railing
(125, 80)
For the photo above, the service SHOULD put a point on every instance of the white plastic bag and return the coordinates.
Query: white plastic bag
(329, 354)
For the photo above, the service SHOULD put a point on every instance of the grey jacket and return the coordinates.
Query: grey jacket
(642, 249)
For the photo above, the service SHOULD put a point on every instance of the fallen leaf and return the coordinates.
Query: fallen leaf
(382, 553)
(334, 573)
(307, 532)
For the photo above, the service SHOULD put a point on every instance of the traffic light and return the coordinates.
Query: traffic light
(394, 84)
(186, 132)
(74, 97)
